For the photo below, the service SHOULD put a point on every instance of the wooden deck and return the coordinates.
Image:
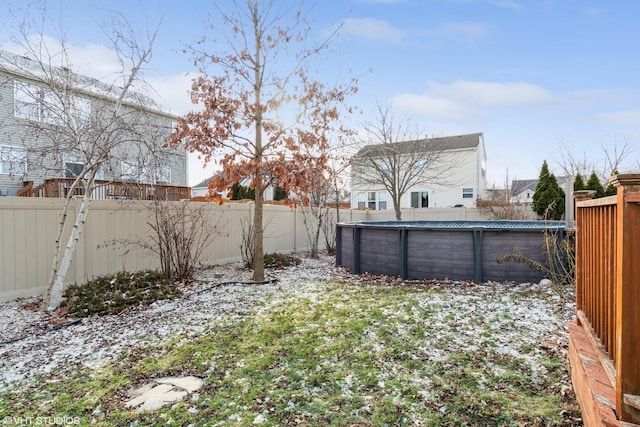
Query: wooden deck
(590, 381)
(115, 190)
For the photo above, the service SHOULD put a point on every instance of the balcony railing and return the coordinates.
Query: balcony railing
(608, 299)
(60, 187)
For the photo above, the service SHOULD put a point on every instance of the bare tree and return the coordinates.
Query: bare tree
(181, 233)
(256, 71)
(319, 203)
(398, 157)
(614, 155)
(76, 127)
(500, 204)
(320, 136)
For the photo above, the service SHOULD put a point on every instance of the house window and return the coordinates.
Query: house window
(52, 108)
(39, 104)
(26, 103)
(371, 199)
(419, 199)
(73, 169)
(81, 109)
(129, 171)
(163, 175)
(382, 200)
(467, 193)
(133, 171)
(13, 160)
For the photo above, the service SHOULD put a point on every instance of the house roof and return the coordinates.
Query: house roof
(27, 68)
(519, 186)
(203, 184)
(446, 143)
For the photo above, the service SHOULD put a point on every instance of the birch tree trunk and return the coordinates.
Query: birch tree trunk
(55, 287)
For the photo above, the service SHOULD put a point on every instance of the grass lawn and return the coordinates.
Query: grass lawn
(332, 353)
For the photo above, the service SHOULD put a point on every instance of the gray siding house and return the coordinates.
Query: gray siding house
(51, 117)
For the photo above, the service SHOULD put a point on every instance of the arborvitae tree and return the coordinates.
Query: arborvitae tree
(578, 183)
(241, 192)
(280, 193)
(611, 189)
(594, 184)
(548, 199)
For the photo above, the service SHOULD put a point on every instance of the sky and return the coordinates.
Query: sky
(541, 79)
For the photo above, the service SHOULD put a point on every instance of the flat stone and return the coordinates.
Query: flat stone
(189, 384)
(142, 390)
(162, 392)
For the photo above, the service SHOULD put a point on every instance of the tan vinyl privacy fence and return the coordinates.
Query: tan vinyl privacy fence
(28, 227)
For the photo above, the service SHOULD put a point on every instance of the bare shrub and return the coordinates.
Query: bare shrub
(559, 263)
(181, 234)
(247, 243)
(329, 231)
(504, 210)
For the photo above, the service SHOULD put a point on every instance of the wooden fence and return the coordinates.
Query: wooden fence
(605, 341)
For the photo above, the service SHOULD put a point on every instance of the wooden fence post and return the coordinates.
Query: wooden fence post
(580, 195)
(628, 297)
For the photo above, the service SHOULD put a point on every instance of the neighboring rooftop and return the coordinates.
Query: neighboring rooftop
(446, 143)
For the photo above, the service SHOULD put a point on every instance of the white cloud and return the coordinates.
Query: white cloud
(172, 92)
(464, 99)
(100, 62)
(372, 29)
(620, 118)
(431, 106)
(91, 60)
(468, 31)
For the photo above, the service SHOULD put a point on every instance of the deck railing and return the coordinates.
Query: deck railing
(60, 187)
(608, 286)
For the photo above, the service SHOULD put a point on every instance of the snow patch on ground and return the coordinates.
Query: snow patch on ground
(216, 299)
(28, 349)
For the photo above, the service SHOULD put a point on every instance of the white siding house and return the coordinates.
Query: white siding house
(462, 160)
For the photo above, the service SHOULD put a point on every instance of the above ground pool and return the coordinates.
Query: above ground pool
(455, 250)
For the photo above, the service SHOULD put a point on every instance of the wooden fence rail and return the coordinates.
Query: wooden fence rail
(608, 299)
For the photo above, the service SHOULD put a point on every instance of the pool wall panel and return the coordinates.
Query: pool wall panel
(440, 254)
